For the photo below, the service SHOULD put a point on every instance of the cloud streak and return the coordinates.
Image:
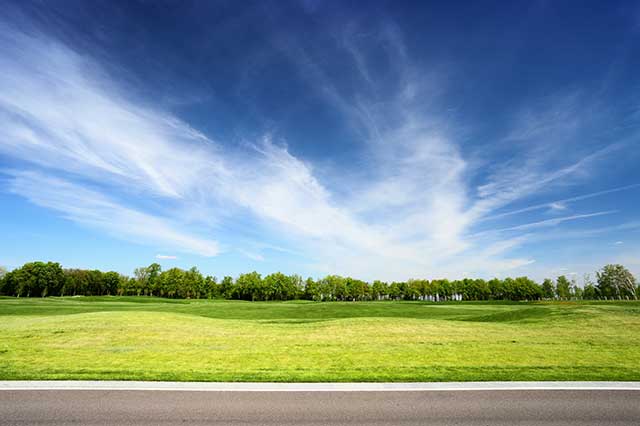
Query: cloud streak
(92, 209)
(165, 257)
(555, 221)
(555, 204)
(108, 161)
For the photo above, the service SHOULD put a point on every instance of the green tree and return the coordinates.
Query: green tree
(333, 288)
(497, 289)
(152, 285)
(127, 286)
(192, 284)
(523, 288)
(227, 287)
(171, 282)
(445, 289)
(576, 291)
(615, 281)
(142, 279)
(474, 289)
(248, 286)
(548, 289)
(7, 284)
(563, 288)
(414, 289)
(212, 289)
(75, 282)
(423, 289)
(296, 287)
(312, 290)
(277, 286)
(95, 283)
(356, 289)
(589, 292)
(111, 282)
(147, 280)
(38, 279)
(397, 290)
(339, 288)
(379, 290)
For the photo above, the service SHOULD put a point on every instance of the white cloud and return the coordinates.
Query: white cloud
(420, 197)
(557, 206)
(519, 180)
(555, 221)
(413, 216)
(166, 257)
(60, 111)
(251, 255)
(92, 209)
(564, 202)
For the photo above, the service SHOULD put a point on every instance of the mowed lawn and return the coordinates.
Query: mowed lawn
(143, 338)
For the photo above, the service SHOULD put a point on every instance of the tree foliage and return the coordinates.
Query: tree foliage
(616, 282)
(39, 279)
(548, 289)
(563, 288)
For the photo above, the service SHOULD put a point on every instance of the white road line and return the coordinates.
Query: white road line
(311, 387)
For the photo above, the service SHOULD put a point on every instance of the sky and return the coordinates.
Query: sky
(386, 140)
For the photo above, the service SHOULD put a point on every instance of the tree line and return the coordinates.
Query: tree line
(40, 279)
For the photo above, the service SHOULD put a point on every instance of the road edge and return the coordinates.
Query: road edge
(18, 385)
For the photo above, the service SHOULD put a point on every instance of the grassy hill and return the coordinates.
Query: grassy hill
(141, 338)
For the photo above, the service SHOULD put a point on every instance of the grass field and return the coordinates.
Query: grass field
(129, 338)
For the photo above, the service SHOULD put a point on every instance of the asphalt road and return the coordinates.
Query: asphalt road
(134, 407)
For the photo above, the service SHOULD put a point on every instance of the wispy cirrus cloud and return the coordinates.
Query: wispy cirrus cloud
(93, 209)
(166, 257)
(420, 197)
(251, 255)
(563, 202)
(105, 159)
(60, 111)
(555, 221)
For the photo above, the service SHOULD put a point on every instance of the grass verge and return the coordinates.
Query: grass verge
(115, 338)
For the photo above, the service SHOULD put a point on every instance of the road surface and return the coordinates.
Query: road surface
(445, 407)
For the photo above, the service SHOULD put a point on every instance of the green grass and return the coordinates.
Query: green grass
(140, 338)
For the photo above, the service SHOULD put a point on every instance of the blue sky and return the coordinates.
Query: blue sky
(390, 141)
